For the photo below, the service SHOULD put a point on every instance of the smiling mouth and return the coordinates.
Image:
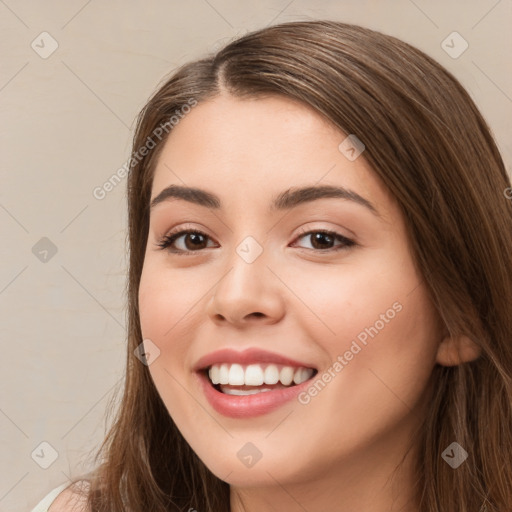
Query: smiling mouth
(241, 380)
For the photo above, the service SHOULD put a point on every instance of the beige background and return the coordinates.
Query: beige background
(67, 121)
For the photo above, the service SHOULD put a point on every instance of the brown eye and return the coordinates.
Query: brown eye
(191, 241)
(322, 240)
(194, 241)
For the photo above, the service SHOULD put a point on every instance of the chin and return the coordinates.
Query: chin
(244, 469)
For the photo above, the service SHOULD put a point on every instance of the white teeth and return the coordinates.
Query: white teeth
(243, 392)
(223, 374)
(286, 375)
(214, 374)
(236, 375)
(302, 375)
(271, 375)
(253, 375)
(257, 375)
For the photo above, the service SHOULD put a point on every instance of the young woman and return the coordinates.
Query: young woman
(319, 290)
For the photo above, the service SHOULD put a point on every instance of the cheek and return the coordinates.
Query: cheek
(170, 308)
(166, 299)
(379, 359)
(166, 307)
(377, 318)
(338, 304)
(382, 356)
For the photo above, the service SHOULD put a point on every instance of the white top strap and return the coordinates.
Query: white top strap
(46, 502)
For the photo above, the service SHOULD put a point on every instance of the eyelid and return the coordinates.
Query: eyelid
(307, 229)
(185, 227)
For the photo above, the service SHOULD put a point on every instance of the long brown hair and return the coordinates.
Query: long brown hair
(426, 140)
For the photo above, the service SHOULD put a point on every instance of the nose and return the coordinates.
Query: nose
(248, 293)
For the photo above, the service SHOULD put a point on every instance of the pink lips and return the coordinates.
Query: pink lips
(247, 406)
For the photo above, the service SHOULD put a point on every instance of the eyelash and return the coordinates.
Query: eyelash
(169, 239)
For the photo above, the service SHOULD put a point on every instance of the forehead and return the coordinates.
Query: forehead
(259, 144)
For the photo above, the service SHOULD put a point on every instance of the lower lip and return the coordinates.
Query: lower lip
(248, 406)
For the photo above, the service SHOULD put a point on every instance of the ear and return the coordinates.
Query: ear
(453, 351)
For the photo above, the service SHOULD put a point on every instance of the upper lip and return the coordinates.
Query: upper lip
(248, 356)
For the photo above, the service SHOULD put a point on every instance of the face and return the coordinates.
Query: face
(258, 286)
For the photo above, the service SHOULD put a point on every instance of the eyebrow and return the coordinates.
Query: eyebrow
(286, 200)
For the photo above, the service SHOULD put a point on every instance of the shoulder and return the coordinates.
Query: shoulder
(72, 499)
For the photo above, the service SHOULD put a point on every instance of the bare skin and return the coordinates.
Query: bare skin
(338, 451)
